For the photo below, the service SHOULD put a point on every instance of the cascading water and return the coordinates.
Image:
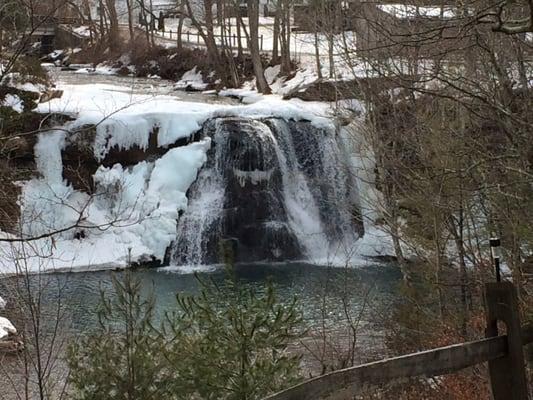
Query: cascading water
(278, 190)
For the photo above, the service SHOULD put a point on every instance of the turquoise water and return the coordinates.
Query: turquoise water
(325, 294)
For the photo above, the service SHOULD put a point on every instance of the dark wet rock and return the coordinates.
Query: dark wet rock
(80, 163)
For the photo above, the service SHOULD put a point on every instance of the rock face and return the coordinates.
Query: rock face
(80, 164)
(275, 190)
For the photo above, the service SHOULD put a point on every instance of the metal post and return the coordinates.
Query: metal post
(497, 266)
(507, 374)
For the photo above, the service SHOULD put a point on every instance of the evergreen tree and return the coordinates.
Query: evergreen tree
(231, 343)
(122, 358)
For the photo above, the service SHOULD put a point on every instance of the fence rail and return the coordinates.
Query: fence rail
(194, 37)
(504, 354)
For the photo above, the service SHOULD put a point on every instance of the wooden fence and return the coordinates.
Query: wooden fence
(194, 37)
(504, 354)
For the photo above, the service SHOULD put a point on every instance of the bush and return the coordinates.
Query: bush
(29, 69)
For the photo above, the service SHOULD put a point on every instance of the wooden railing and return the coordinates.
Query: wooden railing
(504, 354)
(195, 37)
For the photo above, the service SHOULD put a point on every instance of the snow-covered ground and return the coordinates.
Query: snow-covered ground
(6, 327)
(14, 102)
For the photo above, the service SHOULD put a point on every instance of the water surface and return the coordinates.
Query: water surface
(325, 294)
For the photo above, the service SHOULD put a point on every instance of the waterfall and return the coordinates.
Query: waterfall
(301, 206)
(278, 190)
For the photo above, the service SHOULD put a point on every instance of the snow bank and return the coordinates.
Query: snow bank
(125, 119)
(193, 79)
(406, 11)
(84, 31)
(133, 214)
(99, 70)
(6, 328)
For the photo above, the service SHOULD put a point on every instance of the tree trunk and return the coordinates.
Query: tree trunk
(114, 33)
(275, 44)
(208, 37)
(129, 5)
(240, 52)
(253, 21)
(317, 56)
(180, 24)
(285, 38)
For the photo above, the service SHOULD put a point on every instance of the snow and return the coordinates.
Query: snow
(14, 102)
(271, 74)
(56, 54)
(133, 214)
(406, 11)
(100, 69)
(193, 79)
(6, 328)
(167, 193)
(125, 119)
(44, 201)
(31, 87)
(82, 31)
(20, 82)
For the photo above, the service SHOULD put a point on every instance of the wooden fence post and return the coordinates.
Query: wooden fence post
(507, 374)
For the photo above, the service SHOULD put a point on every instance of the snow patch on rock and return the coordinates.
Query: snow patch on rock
(14, 102)
(192, 79)
(6, 328)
